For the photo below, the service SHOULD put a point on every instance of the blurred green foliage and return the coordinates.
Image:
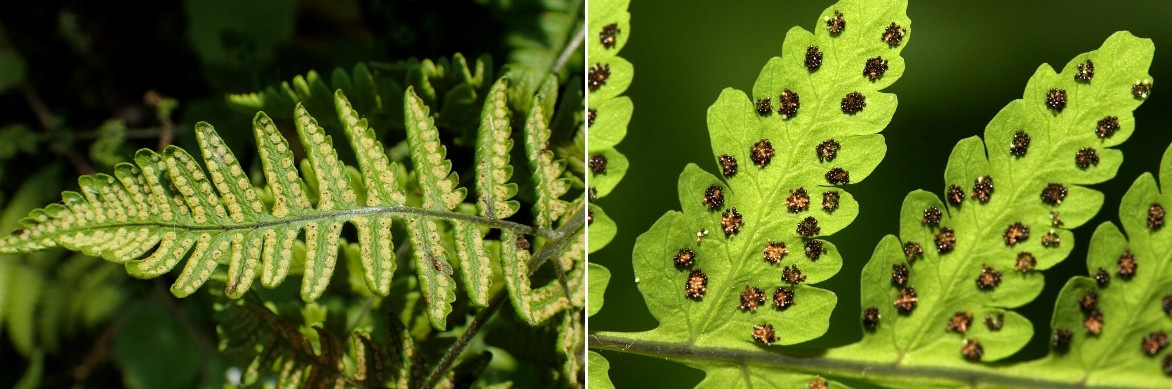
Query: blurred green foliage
(969, 60)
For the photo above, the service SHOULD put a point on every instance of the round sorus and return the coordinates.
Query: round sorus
(995, 323)
(814, 249)
(955, 195)
(1085, 157)
(1061, 338)
(972, 350)
(751, 298)
(913, 251)
(1086, 71)
(830, 201)
(598, 164)
(1020, 144)
(906, 301)
(893, 34)
(1154, 342)
(813, 58)
(853, 102)
(932, 216)
(827, 150)
(761, 152)
(713, 197)
(607, 35)
(983, 189)
(1051, 240)
(764, 106)
(959, 322)
(728, 165)
(1127, 264)
(1025, 262)
(597, 76)
(1088, 300)
(808, 227)
(1141, 89)
(1102, 277)
(989, 278)
(696, 285)
(783, 298)
(763, 333)
(836, 24)
(1015, 233)
(684, 258)
(1156, 213)
(798, 200)
(1107, 126)
(945, 240)
(792, 275)
(731, 221)
(871, 317)
(874, 68)
(1053, 193)
(899, 274)
(1056, 100)
(1093, 322)
(788, 104)
(775, 252)
(838, 176)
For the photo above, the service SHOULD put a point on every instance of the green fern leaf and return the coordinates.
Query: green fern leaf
(607, 118)
(734, 229)
(1118, 327)
(983, 255)
(274, 346)
(164, 208)
(454, 85)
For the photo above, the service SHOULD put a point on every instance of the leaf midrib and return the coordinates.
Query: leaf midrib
(323, 215)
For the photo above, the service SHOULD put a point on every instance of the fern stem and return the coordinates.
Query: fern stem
(570, 47)
(557, 240)
(399, 210)
(976, 376)
(42, 112)
(441, 368)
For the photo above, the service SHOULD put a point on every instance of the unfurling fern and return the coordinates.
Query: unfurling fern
(165, 208)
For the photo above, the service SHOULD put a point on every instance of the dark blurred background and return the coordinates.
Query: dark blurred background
(965, 61)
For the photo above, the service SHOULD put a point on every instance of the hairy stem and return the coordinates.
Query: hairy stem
(977, 375)
(560, 238)
(42, 112)
(569, 49)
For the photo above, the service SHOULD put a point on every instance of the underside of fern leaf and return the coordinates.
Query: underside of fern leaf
(165, 208)
(1118, 323)
(942, 293)
(733, 269)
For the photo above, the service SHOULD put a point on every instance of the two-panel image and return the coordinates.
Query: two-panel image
(584, 193)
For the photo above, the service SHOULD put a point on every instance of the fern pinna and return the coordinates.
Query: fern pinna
(165, 208)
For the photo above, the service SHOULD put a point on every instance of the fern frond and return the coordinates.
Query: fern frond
(166, 208)
(1013, 199)
(1116, 322)
(277, 347)
(743, 253)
